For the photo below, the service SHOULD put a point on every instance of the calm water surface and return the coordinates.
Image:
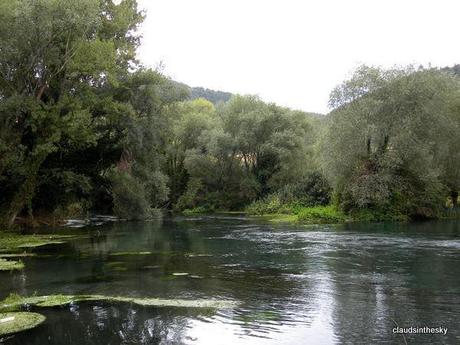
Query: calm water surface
(346, 284)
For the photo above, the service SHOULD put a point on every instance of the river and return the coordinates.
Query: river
(290, 284)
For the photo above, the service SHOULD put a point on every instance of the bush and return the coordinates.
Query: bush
(269, 205)
(311, 190)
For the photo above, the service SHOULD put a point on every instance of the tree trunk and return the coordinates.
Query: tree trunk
(40, 92)
(454, 197)
(368, 147)
(22, 198)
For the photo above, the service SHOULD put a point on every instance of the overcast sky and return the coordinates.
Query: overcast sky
(293, 52)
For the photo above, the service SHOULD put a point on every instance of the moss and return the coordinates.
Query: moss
(15, 302)
(11, 323)
(9, 265)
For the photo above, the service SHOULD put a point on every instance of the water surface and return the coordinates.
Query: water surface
(344, 284)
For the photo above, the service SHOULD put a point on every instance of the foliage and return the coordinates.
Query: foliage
(311, 190)
(212, 96)
(378, 150)
(61, 65)
(129, 197)
(246, 150)
(84, 127)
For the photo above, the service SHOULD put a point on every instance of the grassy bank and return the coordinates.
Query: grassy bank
(307, 215)
(273, 209)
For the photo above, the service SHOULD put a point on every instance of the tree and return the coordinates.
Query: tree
(251, 149)
(385, 137)
(188, 121)
(59, 64)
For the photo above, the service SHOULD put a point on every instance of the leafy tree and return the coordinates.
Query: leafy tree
(60, 62)
(385, 137)
(251, 149)
(187, 122)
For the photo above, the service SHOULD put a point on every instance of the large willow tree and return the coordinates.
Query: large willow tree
(392, 139)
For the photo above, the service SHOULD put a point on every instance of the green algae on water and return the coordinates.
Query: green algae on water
(10, 242)
(9, 265)
(11, 323)
(17, 255)
(15, 302)
(130, 253)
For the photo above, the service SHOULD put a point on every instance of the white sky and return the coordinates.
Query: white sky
(294, 52)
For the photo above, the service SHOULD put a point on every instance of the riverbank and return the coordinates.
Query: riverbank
(329, 214)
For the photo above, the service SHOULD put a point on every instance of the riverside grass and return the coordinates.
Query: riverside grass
(307, 215)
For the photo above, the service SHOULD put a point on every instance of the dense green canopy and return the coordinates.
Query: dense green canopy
(84, 127)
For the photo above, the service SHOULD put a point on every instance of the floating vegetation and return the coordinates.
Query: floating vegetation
(130, 253)
(198, 255)
(9, 265)
(15, 302)
(17, 255)
(10, 242)
(11, 323)
(178, 274)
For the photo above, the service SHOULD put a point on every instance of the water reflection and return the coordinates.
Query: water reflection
(346, 284)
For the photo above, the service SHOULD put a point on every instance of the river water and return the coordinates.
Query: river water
(291, 284)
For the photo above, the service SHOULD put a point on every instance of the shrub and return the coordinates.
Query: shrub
(270, 204)
(311, 190)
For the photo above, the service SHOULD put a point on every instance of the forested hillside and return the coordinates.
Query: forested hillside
(211, 95)
(86, 128)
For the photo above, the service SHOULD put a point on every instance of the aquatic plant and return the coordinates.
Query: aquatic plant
(9, 265)
(15, 302)
(11, 323)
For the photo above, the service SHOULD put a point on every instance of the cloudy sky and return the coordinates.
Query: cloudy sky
(293, 52)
